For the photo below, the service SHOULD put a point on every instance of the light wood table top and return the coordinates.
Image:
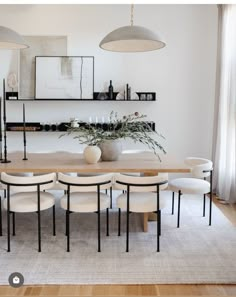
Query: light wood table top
(145, 162)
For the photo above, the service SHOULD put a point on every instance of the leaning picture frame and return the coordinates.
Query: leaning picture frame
(64, 77)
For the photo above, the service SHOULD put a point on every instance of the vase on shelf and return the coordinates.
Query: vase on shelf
(92, 154)
(111, 149)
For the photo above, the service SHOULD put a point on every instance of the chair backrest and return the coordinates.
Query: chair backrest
(199, 167)
(85, 184)
(143, 183)
(28, 184)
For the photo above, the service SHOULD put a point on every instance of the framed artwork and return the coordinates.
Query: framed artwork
(38, 46)
(64, 77)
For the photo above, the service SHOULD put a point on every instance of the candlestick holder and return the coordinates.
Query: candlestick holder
(5, 160)
(24, 134)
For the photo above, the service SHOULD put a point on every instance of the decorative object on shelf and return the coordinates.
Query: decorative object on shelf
(70, 77)
(120, 96)
(127, 92)
(130, 126)
(24, 134)
(134, 96)
(111, 149)
(102, 96)
(92, 154)
(12, 95)
(110, 91)
(74, 123)
(131, 39)
(12, 84)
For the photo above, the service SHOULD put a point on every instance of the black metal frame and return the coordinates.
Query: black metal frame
(158, 211)
(68, 211)
(38, 211)
(204, 201)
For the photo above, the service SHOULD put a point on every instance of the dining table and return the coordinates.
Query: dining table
(146, 163)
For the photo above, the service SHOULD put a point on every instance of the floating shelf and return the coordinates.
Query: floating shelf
(145, 94)
(61, 127)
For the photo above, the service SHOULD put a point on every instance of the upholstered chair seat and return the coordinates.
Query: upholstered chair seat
(197, 184)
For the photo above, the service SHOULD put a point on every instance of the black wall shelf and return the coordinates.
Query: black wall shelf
(144, 94)
(52, 127)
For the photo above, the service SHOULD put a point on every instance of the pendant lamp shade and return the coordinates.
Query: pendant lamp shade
(131, 39)
(10, 39)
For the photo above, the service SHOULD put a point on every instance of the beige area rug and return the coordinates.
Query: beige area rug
(193, 254)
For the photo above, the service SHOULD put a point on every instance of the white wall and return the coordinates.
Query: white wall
(182, 74)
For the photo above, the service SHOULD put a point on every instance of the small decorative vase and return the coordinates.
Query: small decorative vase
(92, 154)
(111, 149)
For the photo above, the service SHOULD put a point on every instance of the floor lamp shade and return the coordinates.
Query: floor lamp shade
(10, 39)
(131, 39)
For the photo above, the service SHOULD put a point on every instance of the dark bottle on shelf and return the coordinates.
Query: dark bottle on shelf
(110, 90)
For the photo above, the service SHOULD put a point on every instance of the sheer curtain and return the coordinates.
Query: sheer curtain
(224, 149)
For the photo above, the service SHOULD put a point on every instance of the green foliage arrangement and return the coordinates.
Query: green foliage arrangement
(130, 126)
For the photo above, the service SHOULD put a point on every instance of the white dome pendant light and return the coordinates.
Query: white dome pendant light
(10, 39)
(131, 39)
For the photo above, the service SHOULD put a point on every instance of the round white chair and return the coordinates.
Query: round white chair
(1, 189)
(28, 196)
(83, 195)
(142, 195)
(200, 170)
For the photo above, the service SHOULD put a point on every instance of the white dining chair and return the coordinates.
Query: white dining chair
(4, 195)
(142, 196)
(197, 184)
(84, 195)
(26, 195)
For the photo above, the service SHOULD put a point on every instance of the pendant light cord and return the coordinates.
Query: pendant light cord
(132, 15)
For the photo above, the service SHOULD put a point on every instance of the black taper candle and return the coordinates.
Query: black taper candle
(24, 133)
(5, 125)
(0, 128)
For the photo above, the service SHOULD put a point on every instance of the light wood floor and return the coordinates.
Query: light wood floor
(130, 290)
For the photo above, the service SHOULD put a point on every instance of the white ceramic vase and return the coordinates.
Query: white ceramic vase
(92, 154)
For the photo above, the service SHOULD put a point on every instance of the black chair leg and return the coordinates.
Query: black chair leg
(119, 219)
(5, 193)
(178, 215)
(158, 230)
(127, 231)
(8, 226)
(204, 205)
(0, 216)
(68, 229)
(13, 223)
(159, 221)
(99, 231)
(54, 220)
(107, 217)
(210, 209)
(39, 231)
(173, 203)
(110, 197)
(66, 232)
